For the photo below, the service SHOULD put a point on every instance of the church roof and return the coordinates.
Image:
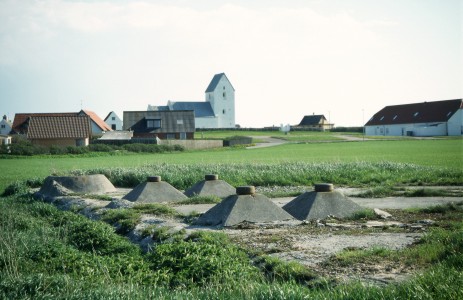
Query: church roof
(215, 81)
(202, 109)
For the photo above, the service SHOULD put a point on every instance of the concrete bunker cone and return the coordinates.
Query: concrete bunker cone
(87, 184)
(154, 191)
(321, 203)
(244, 206)
(211, 186)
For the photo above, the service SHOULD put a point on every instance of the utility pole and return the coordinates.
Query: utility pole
(363, 124)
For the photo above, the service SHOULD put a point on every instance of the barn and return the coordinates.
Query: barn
(435, 118)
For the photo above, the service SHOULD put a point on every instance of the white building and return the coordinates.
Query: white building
(113, 121)
(5, 126)
(436, 118)
(218, 111)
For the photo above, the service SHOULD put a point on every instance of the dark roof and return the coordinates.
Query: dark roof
(202, 109)
(215, 80)
(423, 112)
(171, 121)
(58, 127)
(311, 120)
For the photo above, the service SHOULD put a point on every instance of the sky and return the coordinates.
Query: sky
(345, 59)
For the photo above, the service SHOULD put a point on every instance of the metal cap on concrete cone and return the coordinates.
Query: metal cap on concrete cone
(154, 191)
(321, 204)
(243, 207)
(211, 186)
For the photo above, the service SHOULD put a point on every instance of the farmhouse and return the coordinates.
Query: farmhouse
(436, 118)
(217, 112)
(59, 130)
(113, 120)
(175, 124)
(315, 122)
(97, 125)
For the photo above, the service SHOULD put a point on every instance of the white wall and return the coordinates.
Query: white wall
(455, 123)
(96, 130)
(7, 129)
(422, 129)
(117, 122)
(206, 122)
(222, 100)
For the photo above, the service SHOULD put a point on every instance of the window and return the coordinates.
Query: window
(113, 118)
(183, 135)
(395, 117)
(170, 136)
(223, 111)
(415, 114)
(179, 122)
(224, 95)
(3, 126)
(381, 118)
(113, 126)
(224, 87)
(153, 123)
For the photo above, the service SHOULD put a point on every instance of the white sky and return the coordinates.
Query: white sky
(345, 59)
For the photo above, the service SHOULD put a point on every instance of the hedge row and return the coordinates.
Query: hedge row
(28, 149)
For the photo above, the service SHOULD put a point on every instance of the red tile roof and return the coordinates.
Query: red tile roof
(98, 121)
(20, 126)
(424, 112)
(58, 127)
(20, 119)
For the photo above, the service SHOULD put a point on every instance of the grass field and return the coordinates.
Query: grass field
(48, 254)
(293, 136)
(431, 153)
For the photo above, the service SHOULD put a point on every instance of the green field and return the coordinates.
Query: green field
(50, 254)
(293, 136)
(437, 154)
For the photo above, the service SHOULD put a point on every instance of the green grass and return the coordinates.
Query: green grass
(49, 254)
(432, 153)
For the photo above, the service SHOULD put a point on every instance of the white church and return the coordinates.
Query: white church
(218, 111)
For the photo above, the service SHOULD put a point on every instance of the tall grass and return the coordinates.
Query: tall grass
(359, 174)
(49, 254)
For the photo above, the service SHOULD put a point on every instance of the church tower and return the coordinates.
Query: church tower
(221, 95)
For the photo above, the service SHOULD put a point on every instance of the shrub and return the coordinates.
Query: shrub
(100, 148)
(98, 237)
(77, 150)
(57, 150)
(26, 148)
(124, 219)
(278, 270)
(202, 261)
(16, 188)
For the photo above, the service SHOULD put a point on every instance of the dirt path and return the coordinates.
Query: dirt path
(267, 142)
